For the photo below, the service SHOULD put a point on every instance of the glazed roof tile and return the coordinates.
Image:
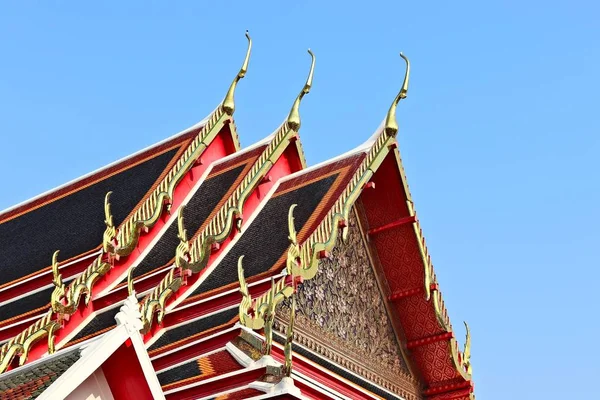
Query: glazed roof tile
(198, 369)
(190, 329)
(30, 382)
(197, 210)
(57, 224)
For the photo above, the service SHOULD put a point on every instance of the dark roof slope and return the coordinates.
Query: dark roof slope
(265, 241)
(74, 223)
(194, 327)
(198, 209)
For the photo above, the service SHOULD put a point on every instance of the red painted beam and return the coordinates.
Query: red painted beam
(462, 389)
(205, 389)
(399, 222)
(217, 149)
(319, 374)
(44, 278)
(186, 313)
(400, 294)
(429, 339)
(193, 351)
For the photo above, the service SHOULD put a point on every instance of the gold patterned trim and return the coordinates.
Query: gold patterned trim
(66, 301)
(260, 312)
(406, 386)
(155, 301)
(22, 343)
(192, 256)
(121, 241)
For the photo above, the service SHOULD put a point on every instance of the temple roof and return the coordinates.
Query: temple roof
(206, 240)
(33, 379)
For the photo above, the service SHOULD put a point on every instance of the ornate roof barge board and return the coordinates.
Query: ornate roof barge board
(306, 256)
(119, 243)
(192, 297)
(67, 211)
(199, 199)
(193, 256)
(202, 203)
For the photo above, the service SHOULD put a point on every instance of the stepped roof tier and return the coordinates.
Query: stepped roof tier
(198, 270)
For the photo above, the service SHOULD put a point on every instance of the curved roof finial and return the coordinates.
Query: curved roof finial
(391, 125)
(228, 102)
(293, 119)
(56, 276)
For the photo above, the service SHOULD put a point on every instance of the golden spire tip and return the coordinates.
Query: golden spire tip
(391, 125)
(228, 102)
(293, 119)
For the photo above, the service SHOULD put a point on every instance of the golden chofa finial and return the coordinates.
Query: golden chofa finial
(228, 102)
(391, 125)
(293, 119)
(56, 277)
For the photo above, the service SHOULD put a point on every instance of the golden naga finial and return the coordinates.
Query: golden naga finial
(130, 288)
(228, 102)
(182, 232)
(391, 125)
(293, 119)
(466, 356)
(287, 349)
(183, 248)
(110, 231)
(108, 219)
(57, 278)
(293, 259)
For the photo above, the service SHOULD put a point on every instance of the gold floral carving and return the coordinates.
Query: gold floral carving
(327, 345)
(343, 301)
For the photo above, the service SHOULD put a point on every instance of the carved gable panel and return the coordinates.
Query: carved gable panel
(342, 314)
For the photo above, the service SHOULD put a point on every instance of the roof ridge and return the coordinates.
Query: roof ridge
(192, 256)
(303, 259)
(121, 242)
(98, 171)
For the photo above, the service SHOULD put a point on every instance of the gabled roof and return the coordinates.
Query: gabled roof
(109, 351)
(60, 374)
(29, 381)
(196, 257)
(226, 234)
(214, 138)
(203, 201)
(53, 221)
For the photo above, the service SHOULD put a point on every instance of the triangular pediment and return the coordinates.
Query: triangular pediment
(341, 315)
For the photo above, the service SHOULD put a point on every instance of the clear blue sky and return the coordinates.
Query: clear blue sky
(499, 135)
